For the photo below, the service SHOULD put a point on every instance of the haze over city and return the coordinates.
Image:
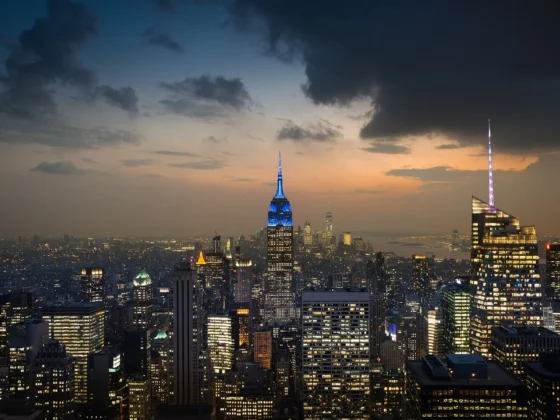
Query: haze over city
(155, 118)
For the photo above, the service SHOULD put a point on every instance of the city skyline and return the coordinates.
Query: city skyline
(156, 125)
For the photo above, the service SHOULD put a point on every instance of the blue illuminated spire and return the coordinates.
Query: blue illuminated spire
(279, 189)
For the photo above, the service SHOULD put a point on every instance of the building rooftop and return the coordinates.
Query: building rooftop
(465, 359)
(142, 279)
(334, 295)
(528, 331)
(497, 377)
(543, 370)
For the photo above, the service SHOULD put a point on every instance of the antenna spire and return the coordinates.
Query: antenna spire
(279, 188)
(490, 175)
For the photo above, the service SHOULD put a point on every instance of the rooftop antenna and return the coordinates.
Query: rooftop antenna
(490, 175)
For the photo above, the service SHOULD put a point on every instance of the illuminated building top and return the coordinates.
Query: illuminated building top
(142, 279)
(280, 212)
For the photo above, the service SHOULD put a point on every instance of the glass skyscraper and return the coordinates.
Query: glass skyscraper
(505, 273)
(279, 304)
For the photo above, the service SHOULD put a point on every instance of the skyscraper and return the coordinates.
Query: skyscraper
(434, 333)
(505, 281)
(336, 354)
(420, 275)
(79, 326)
(262, 348)
(221, 343)
(14, 308)
(187, 304)
(279, 303)
(244, 285)
(553, 268)
(456, 305)
(93, 285)
(53, 382)
(307, 234)
(143, 301)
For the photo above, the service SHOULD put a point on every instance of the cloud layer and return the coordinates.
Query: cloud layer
(58, 168)
(320, 132)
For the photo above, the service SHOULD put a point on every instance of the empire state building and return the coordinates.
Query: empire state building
(279, 304)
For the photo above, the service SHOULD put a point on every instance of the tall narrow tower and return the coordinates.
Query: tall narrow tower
(279, 303)
(490, 174)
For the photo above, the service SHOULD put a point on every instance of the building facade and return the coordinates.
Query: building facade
(456, 306)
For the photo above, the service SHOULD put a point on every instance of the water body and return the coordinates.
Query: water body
(405, 247)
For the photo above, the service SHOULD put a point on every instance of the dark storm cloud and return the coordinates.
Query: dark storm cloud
(133, 163)
(157, 38)
(387, 148)
(58, 168)
(206, 96)
(207, 165)
(175, 153)
(56, 134)
(323, 131)
(449, 146)
(428, 67)
(46, 55)
(124, 98)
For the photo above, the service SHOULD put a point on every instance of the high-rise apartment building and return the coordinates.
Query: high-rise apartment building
(513, 347)
(279, 305)
(53, 382)
(456, 306)
(262, 348)
(79, 326)
(143, 301)
(505, 282)
(420, 277)
(244, 285)
(187, 334)
(221, 343)
(93, 284)
(467, 387)
(553, 268)
(336, 354)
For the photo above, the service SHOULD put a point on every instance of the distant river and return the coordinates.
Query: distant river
(405, 247)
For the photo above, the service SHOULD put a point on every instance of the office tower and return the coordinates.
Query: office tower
(217, 244)
(140, 404)
(420, 276)
(553, 268)
(336, 354)
(513, 347)
(160, 370)
(543, 382)
(25, 341)
(307, 234)
(359, 244)
(137, 348)
(346, 238)
(505, 281)
(244, 325)
(434, 333)
(408, 333)
(247, 407)
(469, 386)
(107, 386)
(393, 388)
(262, 348)
(340, 280)
(279, 305)
(79, 326)
(143, 301)
(244, 274)
(53, 382)
(377, 322)
(221, 343)
(216, 275)
(329, 225)
(14, 308)
(456, 306)
(380, 273)
(93, 285)
(187, 334)
(549, 321)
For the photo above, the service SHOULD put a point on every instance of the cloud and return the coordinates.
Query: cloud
(387, 148)
(361, 191)
(206, 96)
(124, 98)
(47, 55)
(88, 160)
(449, 146)
(214, 140)
(323, 131)
(58, 168)
(133, 163)
(243, 180)
(206, 165)
(166, 5)
(175, 153)
(152, 176)
(160, 39)
(426, 67)
(434, 174)
(56, 134)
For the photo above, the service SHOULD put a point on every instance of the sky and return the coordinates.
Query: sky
(166, 117)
